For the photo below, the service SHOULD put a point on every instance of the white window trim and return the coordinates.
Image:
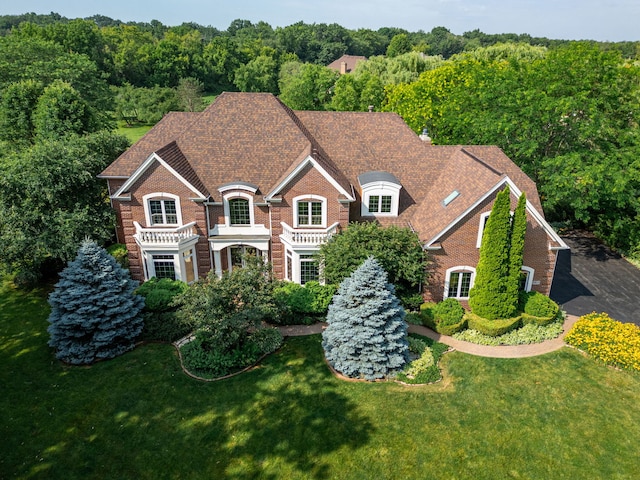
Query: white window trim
(178, 261)
(227, 214)
(483, 223)
(161, 196)
(152, 266)
(380, 189)
(310, 198)
(456, 269)
(183, 265)
(294, 257)
(529, 284)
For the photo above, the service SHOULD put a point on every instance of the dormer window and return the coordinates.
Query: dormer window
(380, 203)
(380, 194)
(162, 209)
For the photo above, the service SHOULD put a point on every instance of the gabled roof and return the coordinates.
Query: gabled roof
(163, 133)
(254, 139)
(474, 173)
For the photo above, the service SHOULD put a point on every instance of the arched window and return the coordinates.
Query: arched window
(310, 211)
(458, 282)
(238, 209)
(162, 209)
(526, 278)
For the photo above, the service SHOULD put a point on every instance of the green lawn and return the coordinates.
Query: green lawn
(561, 415)
(133, 133)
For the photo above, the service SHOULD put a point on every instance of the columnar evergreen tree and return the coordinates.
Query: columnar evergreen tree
(367, 335)
(516, 250)
(489, 297)
(94, 313)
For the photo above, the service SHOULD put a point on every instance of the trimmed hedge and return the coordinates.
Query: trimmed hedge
(446, 317)
(492, 328)
(537, 305)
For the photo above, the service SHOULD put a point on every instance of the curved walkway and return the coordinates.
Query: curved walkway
(503, 351)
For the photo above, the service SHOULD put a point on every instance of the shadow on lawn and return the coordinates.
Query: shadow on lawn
(293, 416)
(139, 416)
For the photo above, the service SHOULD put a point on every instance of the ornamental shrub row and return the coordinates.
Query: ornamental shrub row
(446, 317)
(302, 304)
(161, 324)
(613, 342)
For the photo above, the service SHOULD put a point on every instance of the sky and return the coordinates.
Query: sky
(605, 20)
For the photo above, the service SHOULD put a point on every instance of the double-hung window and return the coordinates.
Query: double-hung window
(163, 212)
(309, 213)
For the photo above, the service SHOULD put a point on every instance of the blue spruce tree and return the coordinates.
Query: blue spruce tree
(366, 336)
(94, 313)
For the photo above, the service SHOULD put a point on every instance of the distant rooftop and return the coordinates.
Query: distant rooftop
(346, 63)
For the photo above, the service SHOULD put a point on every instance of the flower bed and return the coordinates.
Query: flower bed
(615, 343)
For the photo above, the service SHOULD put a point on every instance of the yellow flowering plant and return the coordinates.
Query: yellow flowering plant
(613, 342)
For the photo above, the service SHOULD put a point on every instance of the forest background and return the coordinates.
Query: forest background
(566, 112)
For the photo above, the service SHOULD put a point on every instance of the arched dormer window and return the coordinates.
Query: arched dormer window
(162, 209)
(380, 194)
(310, 211)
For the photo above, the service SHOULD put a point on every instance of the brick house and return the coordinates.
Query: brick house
(249, 175)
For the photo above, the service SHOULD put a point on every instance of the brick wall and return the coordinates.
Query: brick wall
(157, 179)
(459, 248)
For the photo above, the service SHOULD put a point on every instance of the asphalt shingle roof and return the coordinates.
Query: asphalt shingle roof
(255, 138)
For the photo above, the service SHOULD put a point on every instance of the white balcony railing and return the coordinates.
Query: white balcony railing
(165, 236)
(307, 236)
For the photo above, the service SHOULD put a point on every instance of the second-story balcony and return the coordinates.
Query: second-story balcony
(311, 237)
(167, 237)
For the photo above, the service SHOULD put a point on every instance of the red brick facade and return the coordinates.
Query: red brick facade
(218, 156)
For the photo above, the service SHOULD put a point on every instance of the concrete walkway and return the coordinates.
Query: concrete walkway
(503, 351)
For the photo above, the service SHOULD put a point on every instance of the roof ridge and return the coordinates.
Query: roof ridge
(479, 160)
(316, 149)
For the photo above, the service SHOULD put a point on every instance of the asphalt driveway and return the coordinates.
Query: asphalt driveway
(593, 278)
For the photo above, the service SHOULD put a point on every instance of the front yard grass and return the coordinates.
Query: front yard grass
(561, 415)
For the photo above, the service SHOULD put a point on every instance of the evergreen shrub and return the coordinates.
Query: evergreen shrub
(492, 328)
(448, 312)
(413, 318)
(366, 336)
(538, 305)
(426, 311)
(416, 345)
(95, 314)
(411, 301)
(160, 320)
(446, 317)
